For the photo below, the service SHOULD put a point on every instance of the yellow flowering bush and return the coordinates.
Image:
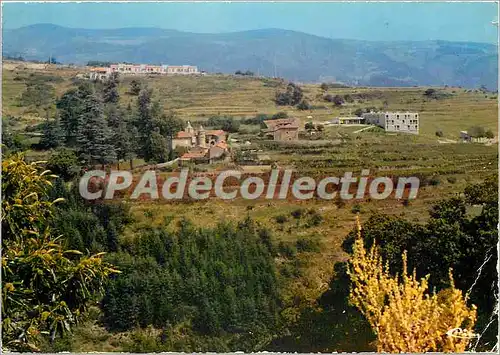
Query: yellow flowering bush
(404, 315)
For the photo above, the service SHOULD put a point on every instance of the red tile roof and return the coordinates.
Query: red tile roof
(183, 134)
(280, 122)
(193, 155)
(217, 132)
(222, 145)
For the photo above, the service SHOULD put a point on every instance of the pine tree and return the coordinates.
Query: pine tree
(93, 133)
(70, 107)
(124, 143)
(145, 124)
(110, 90)
(53, 135)
(135, 87)
(159, 147)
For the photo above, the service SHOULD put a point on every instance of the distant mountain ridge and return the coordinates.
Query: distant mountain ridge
(293, 55)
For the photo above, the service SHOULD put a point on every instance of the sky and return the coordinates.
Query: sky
(364, 21)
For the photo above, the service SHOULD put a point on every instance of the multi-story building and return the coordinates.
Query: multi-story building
(284, 129)
(403, 122)
(153, 69)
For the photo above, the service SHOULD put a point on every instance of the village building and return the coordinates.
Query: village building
(203, 145)
(283, 129)
(401, 122)
(135, 69)
(351, 120)
(99, 74)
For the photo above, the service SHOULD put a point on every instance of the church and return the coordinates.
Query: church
(191, 138)
(203, 145)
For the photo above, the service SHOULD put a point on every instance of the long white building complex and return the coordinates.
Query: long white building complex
(153, 69)
(102, 73)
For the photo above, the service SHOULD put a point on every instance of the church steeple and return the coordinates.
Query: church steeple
(201, 137)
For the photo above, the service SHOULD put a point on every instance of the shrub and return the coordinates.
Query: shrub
(286, 250)
(281, 219)
(338, 100)
(307, 245)
(279, 115)
(297, 213)
(64, 163)
(292, 96)
(356, 208)
(314, 219)
(37, 95)
(452, 179)
(407, 300)
(434, 181)
(303, 105)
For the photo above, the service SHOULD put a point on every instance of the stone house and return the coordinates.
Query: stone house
(283, 129)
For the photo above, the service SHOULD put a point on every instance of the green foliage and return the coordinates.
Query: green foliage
(292, 96)
(309, 126)
(71, 110)
(135, 88)
(52, 135)
(152, 128)
(356, 208)
(98, 63)
(307, 245)
(436, 94)
(480, 132)
(257, 120)
(64, 163)
(313, 218)
(286, 250)
(337, 99)
(207, 277)
(37, 95)
(12, 142)
(110, 89)
(304, 105)
(93, 136)
(452, 238)
(45, 287)
(297, 213)
(228, 124)
(244, 73)
(279, 115)
(281, 219)
(434, 180)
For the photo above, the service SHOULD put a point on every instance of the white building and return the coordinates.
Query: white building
(403, 122)
(351, 120)
(153, 69)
